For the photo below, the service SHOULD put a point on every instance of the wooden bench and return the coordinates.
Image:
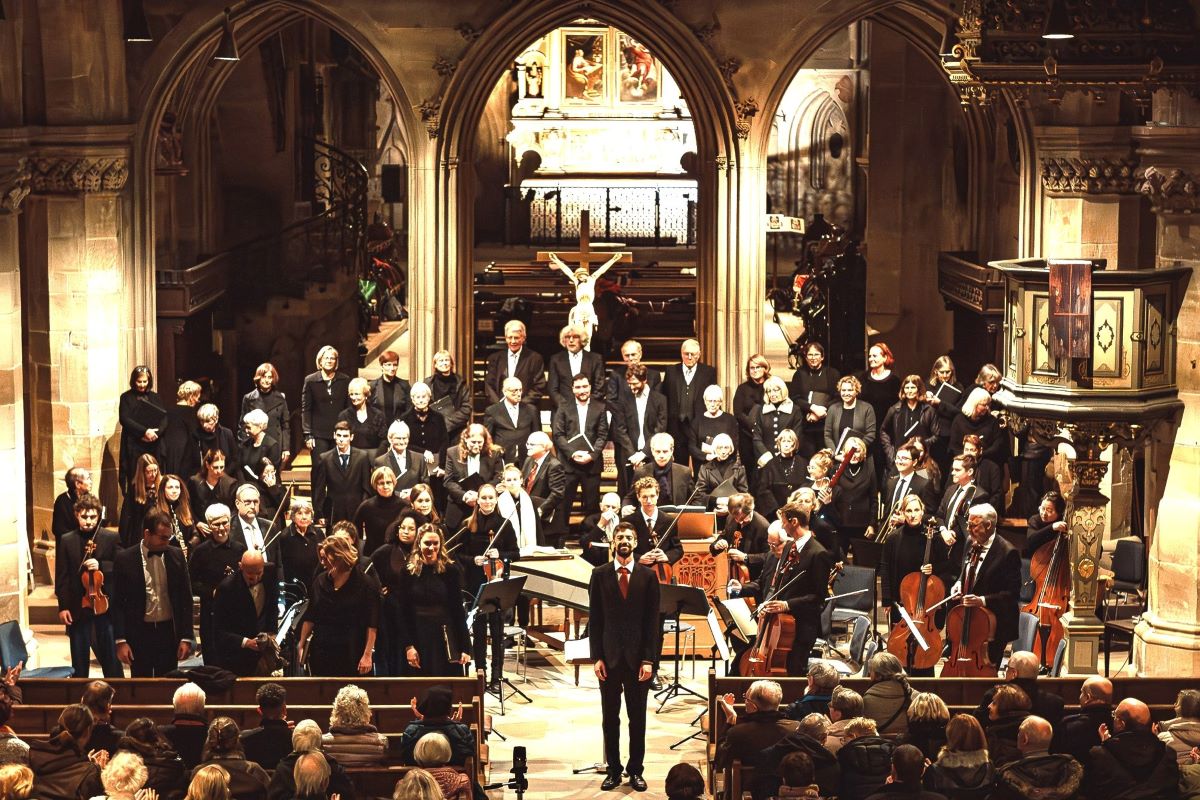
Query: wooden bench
(380, 782)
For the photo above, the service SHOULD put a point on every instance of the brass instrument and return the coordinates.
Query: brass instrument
(894, 520)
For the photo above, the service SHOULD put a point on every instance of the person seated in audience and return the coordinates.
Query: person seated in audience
(796, 778)
(865, 760)
(166, 772)
(98, 697)
(822, 680)
(209, 783)
(1182, 732)
(1008, 709)
(272, 739)
(684, 782)
(65, 767)
(13, 750)
(761, 725)
(306, 738)
(16, 782)
(311, 774)
(417, 784)
(908, 765)
(722, 467)
(1038, 775)
(962, 770)
(1022, 670)
(189, 727)
(886, 700)
(1130, 762)
(927, 718)
(123, 777)
(223, 746)
(432, 754)
(809, 738)
(435, 713)
(844, 705)
(352, 739)
(1078, 733)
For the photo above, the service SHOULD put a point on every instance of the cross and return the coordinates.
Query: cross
(585, 254)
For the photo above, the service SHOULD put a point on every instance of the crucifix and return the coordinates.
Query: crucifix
(584, 313)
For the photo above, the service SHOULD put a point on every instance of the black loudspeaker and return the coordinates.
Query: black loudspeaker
(392, 183)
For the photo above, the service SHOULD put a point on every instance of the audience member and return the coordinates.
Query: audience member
(123, 776)
(272, 739)
(844, 705)
(98, 697)
(352, 739)
(166, 772)
(432, 754)
(16, 782)
(417, 784)
(1182, 732)
(1038, 775)
(684, 782)
(311, 775)
(209, 783)
(1022, 670)
(796, 778)
(1130, 762)
(887, 699)
(809, 738)
(760, 727)
(223, 746)
(1078, 733)
(904, 780)
(1008, 709)
(435, 714)
(927, 718)
(962, 770)
(306, 738)
(64, 767)
(189, 727)
(865, 760)
(12, 749)
(822, 680)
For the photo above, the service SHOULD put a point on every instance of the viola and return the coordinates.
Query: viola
(738, 569)
(1051, 573)
(93, 584)
(969, 630)
(918, 592)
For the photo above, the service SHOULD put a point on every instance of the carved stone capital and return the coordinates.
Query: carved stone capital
(444, 67)
(1171, 191)
(73, 174)
(1066, 175)
(431, 110)
(14, 186)
(746, 110)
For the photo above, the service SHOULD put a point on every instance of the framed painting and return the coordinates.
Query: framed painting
(586, 63)
(639, 71)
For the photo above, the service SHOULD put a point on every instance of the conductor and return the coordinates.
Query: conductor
(623, 632)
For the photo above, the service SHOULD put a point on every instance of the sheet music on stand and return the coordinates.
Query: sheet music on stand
(744, 624)
(718, 636)
(577, 651)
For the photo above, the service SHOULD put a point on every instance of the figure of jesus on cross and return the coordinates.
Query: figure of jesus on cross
(583, 314)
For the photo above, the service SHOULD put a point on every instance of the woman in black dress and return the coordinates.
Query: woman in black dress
(855, 496)
(947, 404)
(813, 389)
(210, 485)
(368, 425)
(473, 556)
(141, 497)
(451, 399)
(342, 616)
(376, 513)
(299, 544)
(749, 394)
(783, 474)
(388, 565)
(911, 417)
(136, 437)
(174, 502)
(427, 436)
(880, 388)
(273, 402)
(433, 622)
(722, 467)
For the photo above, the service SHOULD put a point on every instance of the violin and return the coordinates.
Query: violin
(1051, 572)
(662, 569)
(93, 584)
(738, 569)
(969, 630)
(918, 592)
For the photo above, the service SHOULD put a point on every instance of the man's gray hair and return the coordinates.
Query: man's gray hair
(188, 699)
(306, 736)
(815, 725)
(765, 694)
(216, 511)
(398, 428)
(986, 512)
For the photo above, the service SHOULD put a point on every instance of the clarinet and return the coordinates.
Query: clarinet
(178, 532)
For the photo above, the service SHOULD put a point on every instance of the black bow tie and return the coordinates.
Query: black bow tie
(158, 553)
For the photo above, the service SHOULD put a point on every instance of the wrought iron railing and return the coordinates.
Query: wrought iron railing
(657, 215)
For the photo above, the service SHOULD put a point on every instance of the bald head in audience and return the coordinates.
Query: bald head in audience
(1132, 714)
(1034, 736)
(1096, 691)
(1023, 664)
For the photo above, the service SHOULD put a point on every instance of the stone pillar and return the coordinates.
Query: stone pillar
(14, 530)
(77, 334)
(1167, 640)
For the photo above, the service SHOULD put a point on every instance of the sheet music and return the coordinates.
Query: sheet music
(718, 636)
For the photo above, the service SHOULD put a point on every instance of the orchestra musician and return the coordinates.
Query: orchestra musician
(752, 546)
(856, 495)
(211, 561)
(657, 541)
(759, 588)
(904, 553)
(598, 529)
(473, 555)
(84, 621)
(996, 584)
(952, 511)
(904, 482)
(821, 519)
(1047, 523)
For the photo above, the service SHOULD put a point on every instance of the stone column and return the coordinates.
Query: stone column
(77, 334)
(14, 531)
(1167, 640)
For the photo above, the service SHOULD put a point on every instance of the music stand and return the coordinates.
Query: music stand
(498, 597)
(673, 600)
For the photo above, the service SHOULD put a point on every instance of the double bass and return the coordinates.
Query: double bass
(1051, 571)
(918, 592)
(969, 630)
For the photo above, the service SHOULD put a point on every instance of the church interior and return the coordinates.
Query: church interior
(201, 188)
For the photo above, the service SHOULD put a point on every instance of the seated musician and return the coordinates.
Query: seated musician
(749, 528)
(596, 539)
(657, 542)
(904, 554)
(1047, 524)
(988, 477)
(758, 589)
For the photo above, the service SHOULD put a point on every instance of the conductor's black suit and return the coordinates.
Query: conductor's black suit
(623, 633)
(154, 644)
(237, 619)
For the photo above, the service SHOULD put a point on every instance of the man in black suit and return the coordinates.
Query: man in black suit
(469, 464)
(249, 529)
(952, 511)
(580, 431)
(510, 422)
(623, 633)
(904, 482)
(341, 479)
(988, 479)
(674, 480)
(572, 360)
(409, 468)
(271, 741)
(515, 361)
(545, 481)
(388, 393)
(995, 582)
(631, 353)
(70, 566)
(750, 529)
(804, 567)
(637, 415)
(152, 601)
(684, 384)
(245, 605)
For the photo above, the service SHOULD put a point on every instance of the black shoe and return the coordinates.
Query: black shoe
(638, 783)
(656, 684)
(493, 687)
(610, 782)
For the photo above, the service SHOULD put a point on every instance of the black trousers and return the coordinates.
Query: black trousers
(154, 646)
(483, 626)
(622, 682)
(590, 481)
(808, 628)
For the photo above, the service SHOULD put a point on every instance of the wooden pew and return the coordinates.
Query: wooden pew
(380, 782)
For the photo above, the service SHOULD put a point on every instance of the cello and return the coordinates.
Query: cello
(773, 644)
(1051, 572)
(969, 629)
(918, 591)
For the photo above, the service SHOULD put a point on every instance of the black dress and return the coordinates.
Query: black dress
(748, 395)
(132, 432)
(455, 405)
(373, 517)
(369, 434)
(340, 619)
(298, 554)
(854, 500)
(274, 403)
(901, 423)
(485, 625)
(427, 432)
(880, 395)
(703, 429)
(777, 480)
(433, 620)
(806, 386)
(387, 565)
